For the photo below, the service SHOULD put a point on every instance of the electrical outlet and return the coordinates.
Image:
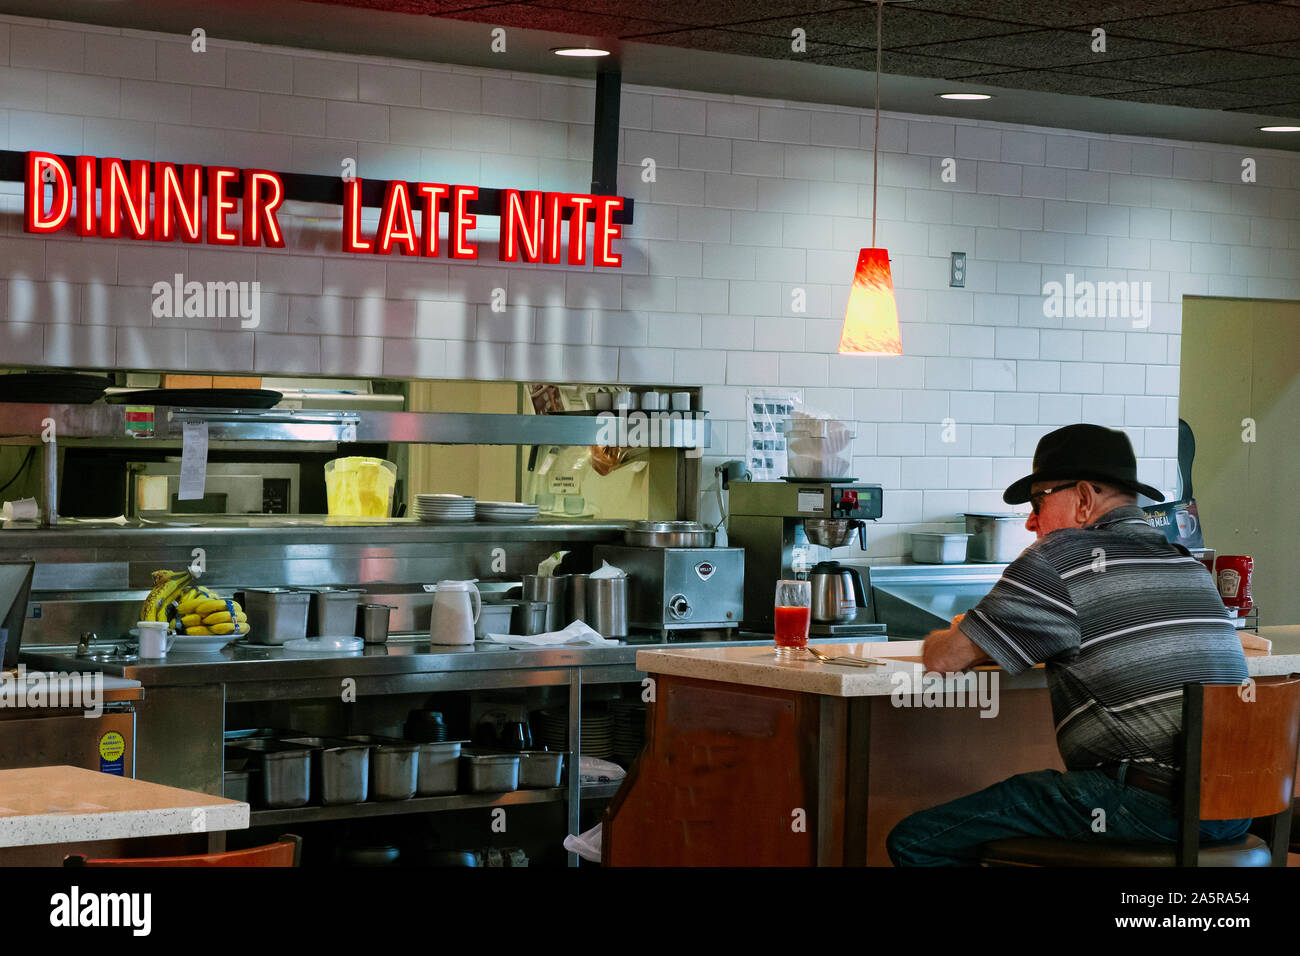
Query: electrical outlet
(957, 278)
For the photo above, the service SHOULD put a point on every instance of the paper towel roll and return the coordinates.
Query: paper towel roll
(24, 509)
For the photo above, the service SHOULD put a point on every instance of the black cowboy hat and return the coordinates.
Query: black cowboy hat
(1085, 452)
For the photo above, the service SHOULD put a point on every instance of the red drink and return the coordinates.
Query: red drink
(792, 626)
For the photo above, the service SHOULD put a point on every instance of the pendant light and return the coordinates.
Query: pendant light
(871, 319)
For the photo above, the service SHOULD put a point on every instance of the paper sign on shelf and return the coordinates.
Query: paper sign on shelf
(194, 461)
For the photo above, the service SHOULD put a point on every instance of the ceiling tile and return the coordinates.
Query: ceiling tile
(429, 8)
(1192, 97)
(1289, 49)
(1287, 110)
(529, 16)
(1044, 49)
(1049, 82)
(745, 44)
(1271, 89)
(1224, 27)
(909, 64)
(1063, 13)
(1194, 69)
(713, 13)
(902, 27)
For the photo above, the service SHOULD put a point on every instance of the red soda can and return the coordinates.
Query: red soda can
(1233, 575)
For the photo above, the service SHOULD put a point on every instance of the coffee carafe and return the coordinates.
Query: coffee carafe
(837, 593)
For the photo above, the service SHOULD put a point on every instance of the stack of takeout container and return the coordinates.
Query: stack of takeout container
(819, 446)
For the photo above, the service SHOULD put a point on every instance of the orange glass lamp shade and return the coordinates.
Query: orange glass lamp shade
(871, 320)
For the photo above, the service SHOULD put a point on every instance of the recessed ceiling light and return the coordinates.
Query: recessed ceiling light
(578, 51)
(964, 96)
(1279, 129)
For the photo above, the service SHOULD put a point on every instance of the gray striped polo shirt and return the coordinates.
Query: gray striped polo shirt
(1122, 619)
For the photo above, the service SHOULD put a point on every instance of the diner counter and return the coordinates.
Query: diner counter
(827, 746)
(756, 666)
(67, 805)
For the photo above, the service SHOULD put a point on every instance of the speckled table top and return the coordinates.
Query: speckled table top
(44, 805)
(758, 667)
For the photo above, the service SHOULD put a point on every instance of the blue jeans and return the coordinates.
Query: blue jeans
(1046, 803)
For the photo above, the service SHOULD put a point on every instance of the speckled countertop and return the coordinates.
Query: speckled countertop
(757, 666)
(45, 805)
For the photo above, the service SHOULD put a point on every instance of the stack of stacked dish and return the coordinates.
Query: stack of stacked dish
(629, 730)
(444, 508)
(503, 512)
(597, 733)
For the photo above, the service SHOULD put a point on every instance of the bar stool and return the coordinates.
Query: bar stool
(1239, 760)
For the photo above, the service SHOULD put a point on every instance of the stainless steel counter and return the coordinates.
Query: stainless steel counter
(252, 663)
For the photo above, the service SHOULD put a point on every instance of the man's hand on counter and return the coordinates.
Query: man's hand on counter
(950, 650)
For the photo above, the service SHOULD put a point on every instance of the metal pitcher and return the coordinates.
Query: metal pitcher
(837, 593)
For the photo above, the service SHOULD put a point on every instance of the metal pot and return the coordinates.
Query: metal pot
(333, 611)
(275, 615)
(341, 770)
(552, 590)
(996, 538)
(494, 619)
(439, 766)
(492, 772)
(540, 768)
(607, 606)
(529, 617)
(668, 534)
(394, 766)
(286, 772)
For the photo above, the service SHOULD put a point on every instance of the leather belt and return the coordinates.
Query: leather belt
(1136, 777)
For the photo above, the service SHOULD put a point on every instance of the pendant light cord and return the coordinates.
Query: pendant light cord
(875, 143)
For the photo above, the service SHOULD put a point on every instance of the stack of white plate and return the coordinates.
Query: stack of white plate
(505, 511)
(444, 508)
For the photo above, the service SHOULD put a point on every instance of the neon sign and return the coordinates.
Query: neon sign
(164, 202)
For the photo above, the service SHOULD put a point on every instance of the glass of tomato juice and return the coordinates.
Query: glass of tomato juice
(793, 612)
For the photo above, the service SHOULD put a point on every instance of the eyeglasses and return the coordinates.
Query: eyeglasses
(1036, 499)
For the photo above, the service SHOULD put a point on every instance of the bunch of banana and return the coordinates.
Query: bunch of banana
(200, 611)
(167, 586)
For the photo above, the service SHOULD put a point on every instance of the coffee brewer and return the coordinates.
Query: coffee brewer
(777, 521)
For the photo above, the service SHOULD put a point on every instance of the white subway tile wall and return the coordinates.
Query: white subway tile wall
(737, 266)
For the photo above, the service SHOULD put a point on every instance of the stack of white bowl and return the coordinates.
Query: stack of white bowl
(819, 446)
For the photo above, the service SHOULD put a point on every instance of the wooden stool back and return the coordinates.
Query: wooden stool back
(1240, 751)
(286, 851)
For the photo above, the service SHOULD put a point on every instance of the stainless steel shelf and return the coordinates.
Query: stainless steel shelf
(25, 422)
(455, 801)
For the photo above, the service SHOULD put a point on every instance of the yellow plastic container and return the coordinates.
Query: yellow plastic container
(360, 487)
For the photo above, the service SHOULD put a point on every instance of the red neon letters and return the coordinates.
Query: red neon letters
(165, 202)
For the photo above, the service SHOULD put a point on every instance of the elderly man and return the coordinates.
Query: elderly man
(1122, 619)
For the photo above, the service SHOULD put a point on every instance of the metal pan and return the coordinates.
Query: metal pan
(668, 534)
